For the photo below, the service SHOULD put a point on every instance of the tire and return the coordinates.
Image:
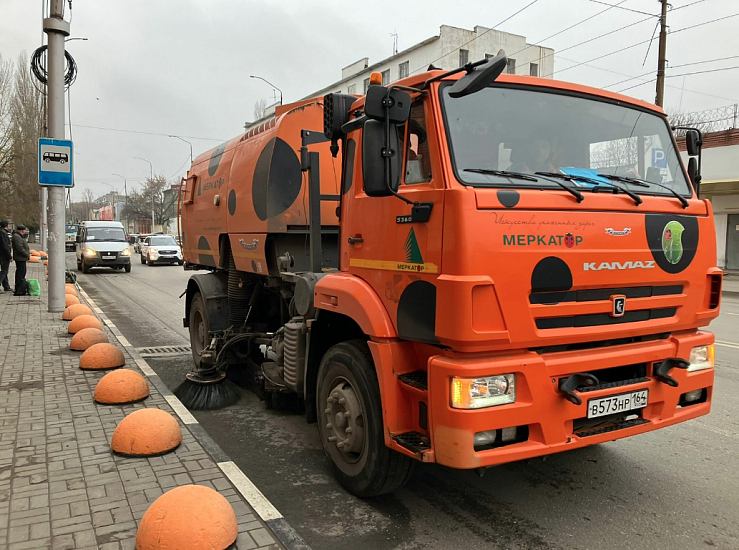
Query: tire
(368, 468)
(181, 262)
(199, 327)
(128, 268)
(85, 268)
(149, 263)
(143, 260)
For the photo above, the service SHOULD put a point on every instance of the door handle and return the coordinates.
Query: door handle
(355, 240)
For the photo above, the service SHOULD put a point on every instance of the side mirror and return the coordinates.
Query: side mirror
(481, 77)
(373, 161)
(398, 104)
(78, 238)
(693, 143)
(694, 175)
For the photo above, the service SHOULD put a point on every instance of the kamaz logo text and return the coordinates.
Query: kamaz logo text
(593, 266)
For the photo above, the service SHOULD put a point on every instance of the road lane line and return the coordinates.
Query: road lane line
(254, 496)
(180, 409)
(729, 313)
(727, 344)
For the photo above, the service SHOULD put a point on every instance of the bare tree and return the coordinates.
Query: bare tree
(81, 210)
(6, 98)
(260, 109)
(155, 195)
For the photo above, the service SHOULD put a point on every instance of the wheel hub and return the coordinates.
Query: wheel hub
(345, 420)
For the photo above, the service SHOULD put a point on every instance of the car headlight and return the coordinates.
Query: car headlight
(126, 252)
(90, 252)
(488, 391)
(153, 253)
(702, 357)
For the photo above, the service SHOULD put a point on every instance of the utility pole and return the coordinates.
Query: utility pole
(56, 29)
(42, 190)
(662, 63)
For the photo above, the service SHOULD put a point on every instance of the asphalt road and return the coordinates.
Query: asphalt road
(674, 488)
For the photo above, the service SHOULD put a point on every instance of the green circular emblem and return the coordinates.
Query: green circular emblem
(672, 244)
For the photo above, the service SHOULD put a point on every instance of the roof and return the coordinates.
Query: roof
(101, 223)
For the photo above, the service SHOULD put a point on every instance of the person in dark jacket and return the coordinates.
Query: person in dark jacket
(6, 252)
(21, 253)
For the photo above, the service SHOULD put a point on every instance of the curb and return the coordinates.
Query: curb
(266, 511)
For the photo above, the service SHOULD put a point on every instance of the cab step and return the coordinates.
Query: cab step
(587, 432)
(416, 379)
(413, 441)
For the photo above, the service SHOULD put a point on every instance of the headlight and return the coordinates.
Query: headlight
(90, 252)
(153, 253)
(477, 393)
(126, 252)
(702, 357)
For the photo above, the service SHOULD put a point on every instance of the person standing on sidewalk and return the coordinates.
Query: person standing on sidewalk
(21, 253)
(6, 252)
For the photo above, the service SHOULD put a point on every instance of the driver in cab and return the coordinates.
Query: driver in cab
(536, 157)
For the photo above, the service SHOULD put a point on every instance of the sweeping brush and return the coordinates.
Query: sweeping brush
(207, 390)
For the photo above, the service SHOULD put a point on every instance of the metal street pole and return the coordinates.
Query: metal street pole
(190, 144)
(44, 196)
(151, 177)
(268, 82)
(662, 63)
(56, 29)
(125, 191)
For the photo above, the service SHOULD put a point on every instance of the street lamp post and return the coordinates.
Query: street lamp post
(190, 144)
(125, 191)
(151, 177)
(115, 195)
(268, 82)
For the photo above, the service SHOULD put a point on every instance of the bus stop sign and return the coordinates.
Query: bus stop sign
(55, 162)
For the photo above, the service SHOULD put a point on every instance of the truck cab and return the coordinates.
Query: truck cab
(507, 267)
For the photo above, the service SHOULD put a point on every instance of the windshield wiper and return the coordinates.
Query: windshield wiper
(518, 175)
(597, 185)
(646, 183)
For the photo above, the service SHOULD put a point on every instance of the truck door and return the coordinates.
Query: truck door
(399, 258)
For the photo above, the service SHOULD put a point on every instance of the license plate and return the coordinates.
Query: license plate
(108, 257)
(617, 403)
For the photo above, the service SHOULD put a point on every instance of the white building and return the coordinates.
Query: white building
(452, 48)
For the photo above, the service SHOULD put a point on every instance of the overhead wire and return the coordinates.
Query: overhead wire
(145, 133)
(623, 8)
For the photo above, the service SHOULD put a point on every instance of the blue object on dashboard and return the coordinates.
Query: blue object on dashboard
(589, 173)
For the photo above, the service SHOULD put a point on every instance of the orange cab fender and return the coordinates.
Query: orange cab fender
(352, 297)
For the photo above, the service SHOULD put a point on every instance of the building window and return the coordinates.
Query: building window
(351, 89)
(464, 57)
(366, 85)
(511, 67)
(403, 70)
(533, 69)
(386, 77)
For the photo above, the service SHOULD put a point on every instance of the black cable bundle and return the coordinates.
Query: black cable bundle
(38, 67)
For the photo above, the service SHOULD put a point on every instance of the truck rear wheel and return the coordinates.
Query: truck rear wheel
(350, 423)
(199, 328)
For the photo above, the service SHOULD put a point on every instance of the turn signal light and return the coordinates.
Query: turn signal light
(478, 393)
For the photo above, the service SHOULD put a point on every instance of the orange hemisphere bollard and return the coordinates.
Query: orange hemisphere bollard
(71, 291)
(87, 337)
(84, 321)
(101, 356)
(191, 516)
(75, 311)
(70, 300)
(147, 432)
(121, 387)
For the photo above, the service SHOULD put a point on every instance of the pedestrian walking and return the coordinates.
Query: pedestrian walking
(6, 253)
(21, 253)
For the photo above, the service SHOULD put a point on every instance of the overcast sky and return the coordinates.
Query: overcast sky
(182, 66)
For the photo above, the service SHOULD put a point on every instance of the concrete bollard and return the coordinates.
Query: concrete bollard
(101, 356)
(121, 387)
(146, 432)
(87, 337)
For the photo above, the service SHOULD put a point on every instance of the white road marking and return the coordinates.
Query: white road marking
(180, 409)
(253, 496)
(727, 344)
(730, 313)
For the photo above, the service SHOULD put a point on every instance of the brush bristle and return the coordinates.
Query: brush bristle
(201, 397)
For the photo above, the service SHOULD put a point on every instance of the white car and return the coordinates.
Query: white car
(161, 249)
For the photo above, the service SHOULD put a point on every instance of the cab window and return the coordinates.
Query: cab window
(417, 159)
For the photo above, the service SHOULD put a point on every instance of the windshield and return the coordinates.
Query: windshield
(515, 130)
(163, 241)
(105, 234)
(72, 228)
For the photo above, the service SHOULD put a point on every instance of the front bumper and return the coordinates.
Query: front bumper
(555, 424)
(165, 259)
(99, 261)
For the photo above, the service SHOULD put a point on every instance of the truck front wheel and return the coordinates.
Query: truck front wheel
(198, 328)
(350, 423)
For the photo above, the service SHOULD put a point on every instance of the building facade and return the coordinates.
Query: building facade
(720, 184)
(451, 48)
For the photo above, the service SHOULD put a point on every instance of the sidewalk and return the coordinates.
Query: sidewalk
(60, 485)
